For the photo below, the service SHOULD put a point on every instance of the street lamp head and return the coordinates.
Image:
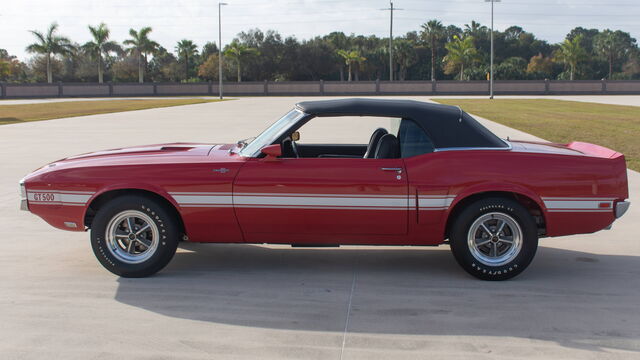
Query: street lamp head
(492, 0)
(223, 3)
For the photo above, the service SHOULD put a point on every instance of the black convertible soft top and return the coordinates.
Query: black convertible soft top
(447, 126)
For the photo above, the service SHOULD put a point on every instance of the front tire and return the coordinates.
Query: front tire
(494, 238)
(134, 236)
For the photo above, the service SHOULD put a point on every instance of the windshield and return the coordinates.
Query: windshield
(272, 133)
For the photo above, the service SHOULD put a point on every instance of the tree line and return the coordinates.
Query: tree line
(434, 52)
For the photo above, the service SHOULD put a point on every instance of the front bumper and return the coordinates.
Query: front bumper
(622, 208)
(24, 203)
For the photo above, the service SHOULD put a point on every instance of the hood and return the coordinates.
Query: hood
(182, 149)
(145, 155)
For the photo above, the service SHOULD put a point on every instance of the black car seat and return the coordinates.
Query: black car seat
(373, 143)
(388, 147)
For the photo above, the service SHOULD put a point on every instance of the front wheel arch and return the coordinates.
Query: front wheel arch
(100, 200)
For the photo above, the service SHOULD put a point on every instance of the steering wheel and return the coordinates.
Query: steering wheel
(294, 149)
(289, 148)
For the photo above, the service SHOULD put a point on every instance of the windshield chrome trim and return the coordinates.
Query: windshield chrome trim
(257, 153)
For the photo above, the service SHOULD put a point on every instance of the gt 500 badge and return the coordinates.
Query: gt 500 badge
(46, 197)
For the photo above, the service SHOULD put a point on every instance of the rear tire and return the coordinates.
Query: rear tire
(134, 236)
(494, 238)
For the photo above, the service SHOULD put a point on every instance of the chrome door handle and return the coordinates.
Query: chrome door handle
(221, 170)
(398, 170)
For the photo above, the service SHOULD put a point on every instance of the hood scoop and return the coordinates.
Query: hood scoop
(176, 148)
(149, 150)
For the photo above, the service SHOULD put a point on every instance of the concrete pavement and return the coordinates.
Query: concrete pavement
(628, 100)
(578, 300)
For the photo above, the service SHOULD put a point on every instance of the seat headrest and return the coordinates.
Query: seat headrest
(373, 142)
(388, 147)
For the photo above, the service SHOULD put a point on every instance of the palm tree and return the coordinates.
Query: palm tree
(571, 53)
(433, 32)
(237, 51)
(186, 49)
(140, 46)
(50, 44)
(612, 45)
(475, 29)
(338, 40)
(460, 53)
(405, 55)
(351, 57)
(101, 45)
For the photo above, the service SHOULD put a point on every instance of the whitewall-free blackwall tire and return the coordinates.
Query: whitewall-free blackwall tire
(134, 236)
(494, 238)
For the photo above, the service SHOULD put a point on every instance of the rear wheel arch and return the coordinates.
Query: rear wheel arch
(102, 199)
(529, 203)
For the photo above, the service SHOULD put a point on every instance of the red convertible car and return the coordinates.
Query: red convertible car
(429, 175)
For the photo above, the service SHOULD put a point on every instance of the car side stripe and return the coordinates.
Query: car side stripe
(320, 201)
(211, 199)
(315, 201)
(578, 204)
(58, 197)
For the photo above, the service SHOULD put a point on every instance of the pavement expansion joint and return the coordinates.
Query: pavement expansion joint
(346, 321)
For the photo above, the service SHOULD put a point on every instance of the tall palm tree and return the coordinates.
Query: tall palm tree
(140, 46)
(571, 53)
(612, 45)
(237, 51)
(100, 45)
(350, 58)
(186, 49)
(433, 32)
(50, 44)
(460, 53)
(475, 29)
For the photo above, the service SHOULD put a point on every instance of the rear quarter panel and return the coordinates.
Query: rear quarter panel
(455, 175)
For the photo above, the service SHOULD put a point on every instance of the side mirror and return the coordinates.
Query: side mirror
(272, 151)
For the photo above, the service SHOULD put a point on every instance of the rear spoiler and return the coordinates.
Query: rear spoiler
(593, 150)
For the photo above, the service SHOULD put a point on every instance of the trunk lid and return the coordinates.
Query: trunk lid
(576, 148)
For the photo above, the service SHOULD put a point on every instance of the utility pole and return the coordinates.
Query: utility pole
(391, 9)
(491, 66)
(220, 47)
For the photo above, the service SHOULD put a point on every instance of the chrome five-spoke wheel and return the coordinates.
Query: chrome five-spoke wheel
(132, 236)
(495, 239)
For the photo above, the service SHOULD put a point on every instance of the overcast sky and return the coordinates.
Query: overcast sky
(173, 20)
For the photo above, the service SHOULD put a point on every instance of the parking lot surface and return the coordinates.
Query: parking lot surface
(580, 298)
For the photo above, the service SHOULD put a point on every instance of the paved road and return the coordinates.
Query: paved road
(578, 300)
(630, 100)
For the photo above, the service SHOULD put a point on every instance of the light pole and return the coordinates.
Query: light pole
(220, 48)
(391, 8)
(491, 66)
